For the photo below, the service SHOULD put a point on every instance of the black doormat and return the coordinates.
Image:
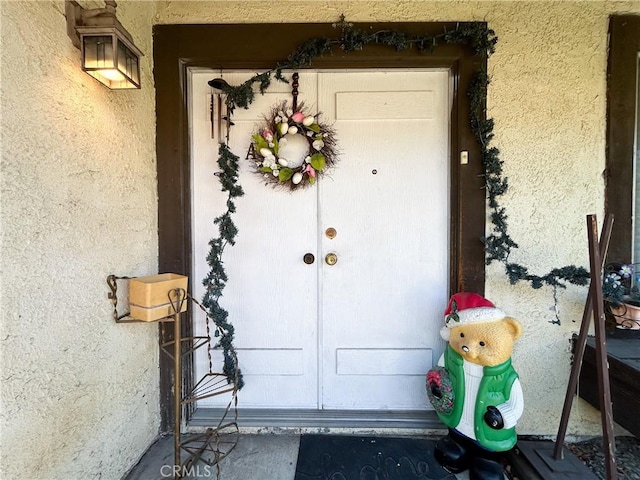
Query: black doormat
(334, 457)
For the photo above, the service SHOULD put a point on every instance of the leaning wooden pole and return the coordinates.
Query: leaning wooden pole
(604, 389)
(580, 346)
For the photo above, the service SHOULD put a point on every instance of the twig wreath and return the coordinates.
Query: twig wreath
(498, 244)
(293, 148)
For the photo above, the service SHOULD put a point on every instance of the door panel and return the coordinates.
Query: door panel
(362, 333)
(382, 301)
(271, 295)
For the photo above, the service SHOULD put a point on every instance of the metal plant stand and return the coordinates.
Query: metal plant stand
(220, 439)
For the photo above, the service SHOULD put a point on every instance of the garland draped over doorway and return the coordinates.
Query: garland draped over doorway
(498, 243)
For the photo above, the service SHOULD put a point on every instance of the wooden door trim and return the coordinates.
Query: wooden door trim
(180, 47)
(624, 35)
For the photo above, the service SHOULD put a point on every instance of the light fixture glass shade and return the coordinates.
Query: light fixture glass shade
(110, 59)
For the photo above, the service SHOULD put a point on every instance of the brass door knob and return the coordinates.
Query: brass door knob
(308, 258)
(331, 259)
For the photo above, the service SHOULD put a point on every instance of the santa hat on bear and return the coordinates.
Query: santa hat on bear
(466, 308)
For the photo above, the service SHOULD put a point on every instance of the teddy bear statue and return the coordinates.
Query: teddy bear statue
(474, 389)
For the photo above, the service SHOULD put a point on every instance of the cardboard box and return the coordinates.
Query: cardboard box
(149, 296)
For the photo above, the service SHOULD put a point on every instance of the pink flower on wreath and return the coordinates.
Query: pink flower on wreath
(267, 135)
(309, 170)
(433, 377)
(297, 117)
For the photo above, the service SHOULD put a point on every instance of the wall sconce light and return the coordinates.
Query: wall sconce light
(108, 52)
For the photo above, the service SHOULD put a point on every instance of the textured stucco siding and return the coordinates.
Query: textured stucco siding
(548, 98)
(79, 392)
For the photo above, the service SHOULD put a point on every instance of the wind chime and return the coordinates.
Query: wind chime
(219, 110)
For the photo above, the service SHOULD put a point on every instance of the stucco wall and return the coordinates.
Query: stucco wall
(548, 100)
(79, 201)
(79, 393)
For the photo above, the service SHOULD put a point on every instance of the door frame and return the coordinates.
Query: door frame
(176, 48)
(622, 78)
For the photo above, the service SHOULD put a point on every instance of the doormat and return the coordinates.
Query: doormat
(335, 457)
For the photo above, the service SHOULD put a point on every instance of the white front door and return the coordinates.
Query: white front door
(362, 333)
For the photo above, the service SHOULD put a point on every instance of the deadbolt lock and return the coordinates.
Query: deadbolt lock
(331, 259)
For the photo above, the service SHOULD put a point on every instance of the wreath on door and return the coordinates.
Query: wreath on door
(292, 147)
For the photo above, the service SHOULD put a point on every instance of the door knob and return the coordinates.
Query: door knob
(308, 258)
(331, 259)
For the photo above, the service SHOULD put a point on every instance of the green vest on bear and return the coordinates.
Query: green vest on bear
(495, 388)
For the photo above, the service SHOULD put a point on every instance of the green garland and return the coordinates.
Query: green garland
(477, 35)
(498, 243)
(216, 279)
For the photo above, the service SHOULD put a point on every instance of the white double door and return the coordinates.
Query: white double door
(359, 334)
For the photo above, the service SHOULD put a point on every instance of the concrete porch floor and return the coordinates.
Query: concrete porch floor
(255, 457)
